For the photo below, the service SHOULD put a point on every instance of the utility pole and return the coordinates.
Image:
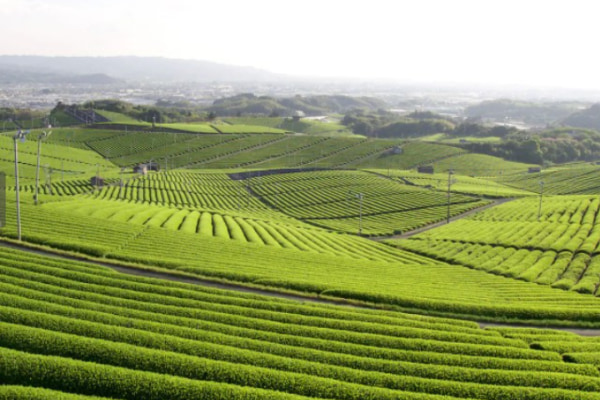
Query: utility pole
(450, 173)
(541, 196)
(360, 197)
(120, 184)
(50, 170)
(20, 135)
(41, 136)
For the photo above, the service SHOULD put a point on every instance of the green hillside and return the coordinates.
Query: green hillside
(241, 212)
(71, 330)
(553, 241)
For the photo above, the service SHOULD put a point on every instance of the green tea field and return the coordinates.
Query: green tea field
(267, 260)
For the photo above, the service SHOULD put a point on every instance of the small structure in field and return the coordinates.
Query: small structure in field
(534, 169)
(140, 169)
(143, 168)
(425, 169)
(97, 181)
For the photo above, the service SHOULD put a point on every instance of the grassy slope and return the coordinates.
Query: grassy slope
(79, 328)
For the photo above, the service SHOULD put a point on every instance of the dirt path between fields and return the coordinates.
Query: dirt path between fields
(408, 234)
(131, 270)
(245, 289)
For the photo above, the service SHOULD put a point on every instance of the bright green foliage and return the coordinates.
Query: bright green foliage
(458, 183)
(568, 179)
(206, 190)
(14, 392)
(116, 117)
(412, 154)
(127, 143)
(479, 165)
(332, 200)
(319, 198)
(65, 162)
(350, 268)
(561, 249)
(73, 327)
(188, 128)
(244, 128)
(314, 127)
(272, 122)
(78, 137)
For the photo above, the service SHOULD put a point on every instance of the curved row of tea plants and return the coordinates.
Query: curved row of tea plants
(480, 165)
(84, 330)
(335, 194)
(576, 179)
(405, 280)
(60, 159)
(277, 230)
(343, 200)
(561, 250)
(392, 223)
(458, 183)
(279, 151)
(209, 190)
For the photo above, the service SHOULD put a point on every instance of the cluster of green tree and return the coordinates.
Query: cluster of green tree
(20, 114)
(13, 118)
(588, 118)
(366, 122)
(551, 146)
(474, 129)
(557, 146)
(528, 112)
(408, 127)
(161, 112)
(386, 124)
(250, 104)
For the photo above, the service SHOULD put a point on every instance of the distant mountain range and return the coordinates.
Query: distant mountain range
(9, 75)
(41, 69)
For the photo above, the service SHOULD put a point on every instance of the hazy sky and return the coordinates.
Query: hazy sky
(551, 43)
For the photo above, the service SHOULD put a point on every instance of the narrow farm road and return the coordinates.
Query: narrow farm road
(131, 270)
(408, 234)
(175, 277)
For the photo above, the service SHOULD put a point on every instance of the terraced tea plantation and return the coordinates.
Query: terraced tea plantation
(348, 200)
(267, 228)
(65, 162)
(560, 248)
(323, 264)
(570, 179)
(77, 330)
(480, 165)
(459, 183)
(310, 216)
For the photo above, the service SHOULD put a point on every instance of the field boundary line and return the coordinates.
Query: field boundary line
(298, 297)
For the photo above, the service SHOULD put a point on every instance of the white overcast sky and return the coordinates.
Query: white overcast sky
(548, 43)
